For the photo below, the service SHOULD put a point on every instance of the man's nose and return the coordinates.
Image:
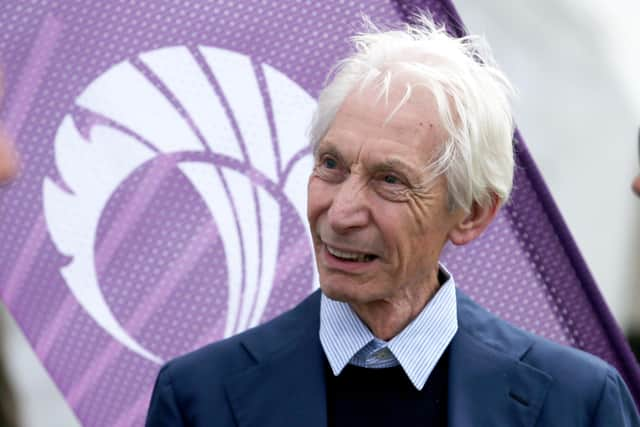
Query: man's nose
(350, 206)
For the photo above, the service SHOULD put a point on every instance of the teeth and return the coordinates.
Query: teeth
(352, 256)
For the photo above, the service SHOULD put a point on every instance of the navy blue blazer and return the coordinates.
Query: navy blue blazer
(273, 375)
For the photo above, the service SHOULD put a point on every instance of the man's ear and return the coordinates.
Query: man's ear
(475, 222)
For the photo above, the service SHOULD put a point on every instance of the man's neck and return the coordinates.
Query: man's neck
(386, 318)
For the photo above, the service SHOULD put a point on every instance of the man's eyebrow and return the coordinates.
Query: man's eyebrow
(398, 165)
(410, 171)
(327, 147)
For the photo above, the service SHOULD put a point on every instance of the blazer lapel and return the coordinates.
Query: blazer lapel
(488, 384)
(286, 387)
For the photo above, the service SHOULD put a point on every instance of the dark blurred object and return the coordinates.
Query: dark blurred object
(636, 181)
(634, 341)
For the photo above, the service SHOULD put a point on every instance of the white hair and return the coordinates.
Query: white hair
(472, 97)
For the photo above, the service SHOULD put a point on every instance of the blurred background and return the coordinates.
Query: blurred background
(576, 65)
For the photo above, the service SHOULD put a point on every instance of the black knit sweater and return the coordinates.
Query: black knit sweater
(386, 397)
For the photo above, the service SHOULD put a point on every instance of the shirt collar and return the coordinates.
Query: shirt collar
(417, 348)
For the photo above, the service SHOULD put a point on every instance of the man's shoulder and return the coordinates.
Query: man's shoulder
(564, 364)
(568, 386)
(209, 364)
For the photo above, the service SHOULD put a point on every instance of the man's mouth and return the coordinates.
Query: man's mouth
(350, 256)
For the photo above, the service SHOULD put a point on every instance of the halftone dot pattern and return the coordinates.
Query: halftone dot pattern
(556, 272)
(143, 257)
(39, 296)
(496, 271)
(130, 383)
(79, 345)
(294, 270)
(519, 269)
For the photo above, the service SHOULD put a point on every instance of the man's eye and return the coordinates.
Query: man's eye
(390, 179)
(330, 163)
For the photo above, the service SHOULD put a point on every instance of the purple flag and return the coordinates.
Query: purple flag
(162, 201)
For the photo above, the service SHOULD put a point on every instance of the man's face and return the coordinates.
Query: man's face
(377, 228)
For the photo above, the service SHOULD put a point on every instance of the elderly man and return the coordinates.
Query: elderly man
(412, 143)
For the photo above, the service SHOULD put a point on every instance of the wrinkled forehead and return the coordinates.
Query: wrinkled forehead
(401, 108)
(407, 94)
(394, 128)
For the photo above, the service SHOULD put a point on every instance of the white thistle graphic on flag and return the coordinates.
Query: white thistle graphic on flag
(223, 115)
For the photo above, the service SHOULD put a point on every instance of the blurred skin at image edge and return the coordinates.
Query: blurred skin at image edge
(8, 169)
(8, 158)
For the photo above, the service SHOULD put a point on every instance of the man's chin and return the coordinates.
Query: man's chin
(343, 293)
(334, 295)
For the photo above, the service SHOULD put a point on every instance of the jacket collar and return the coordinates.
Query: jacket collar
(286, 386)
(488, 382)
(417, 348)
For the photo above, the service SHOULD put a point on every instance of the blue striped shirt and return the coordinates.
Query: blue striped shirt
(417, 348)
